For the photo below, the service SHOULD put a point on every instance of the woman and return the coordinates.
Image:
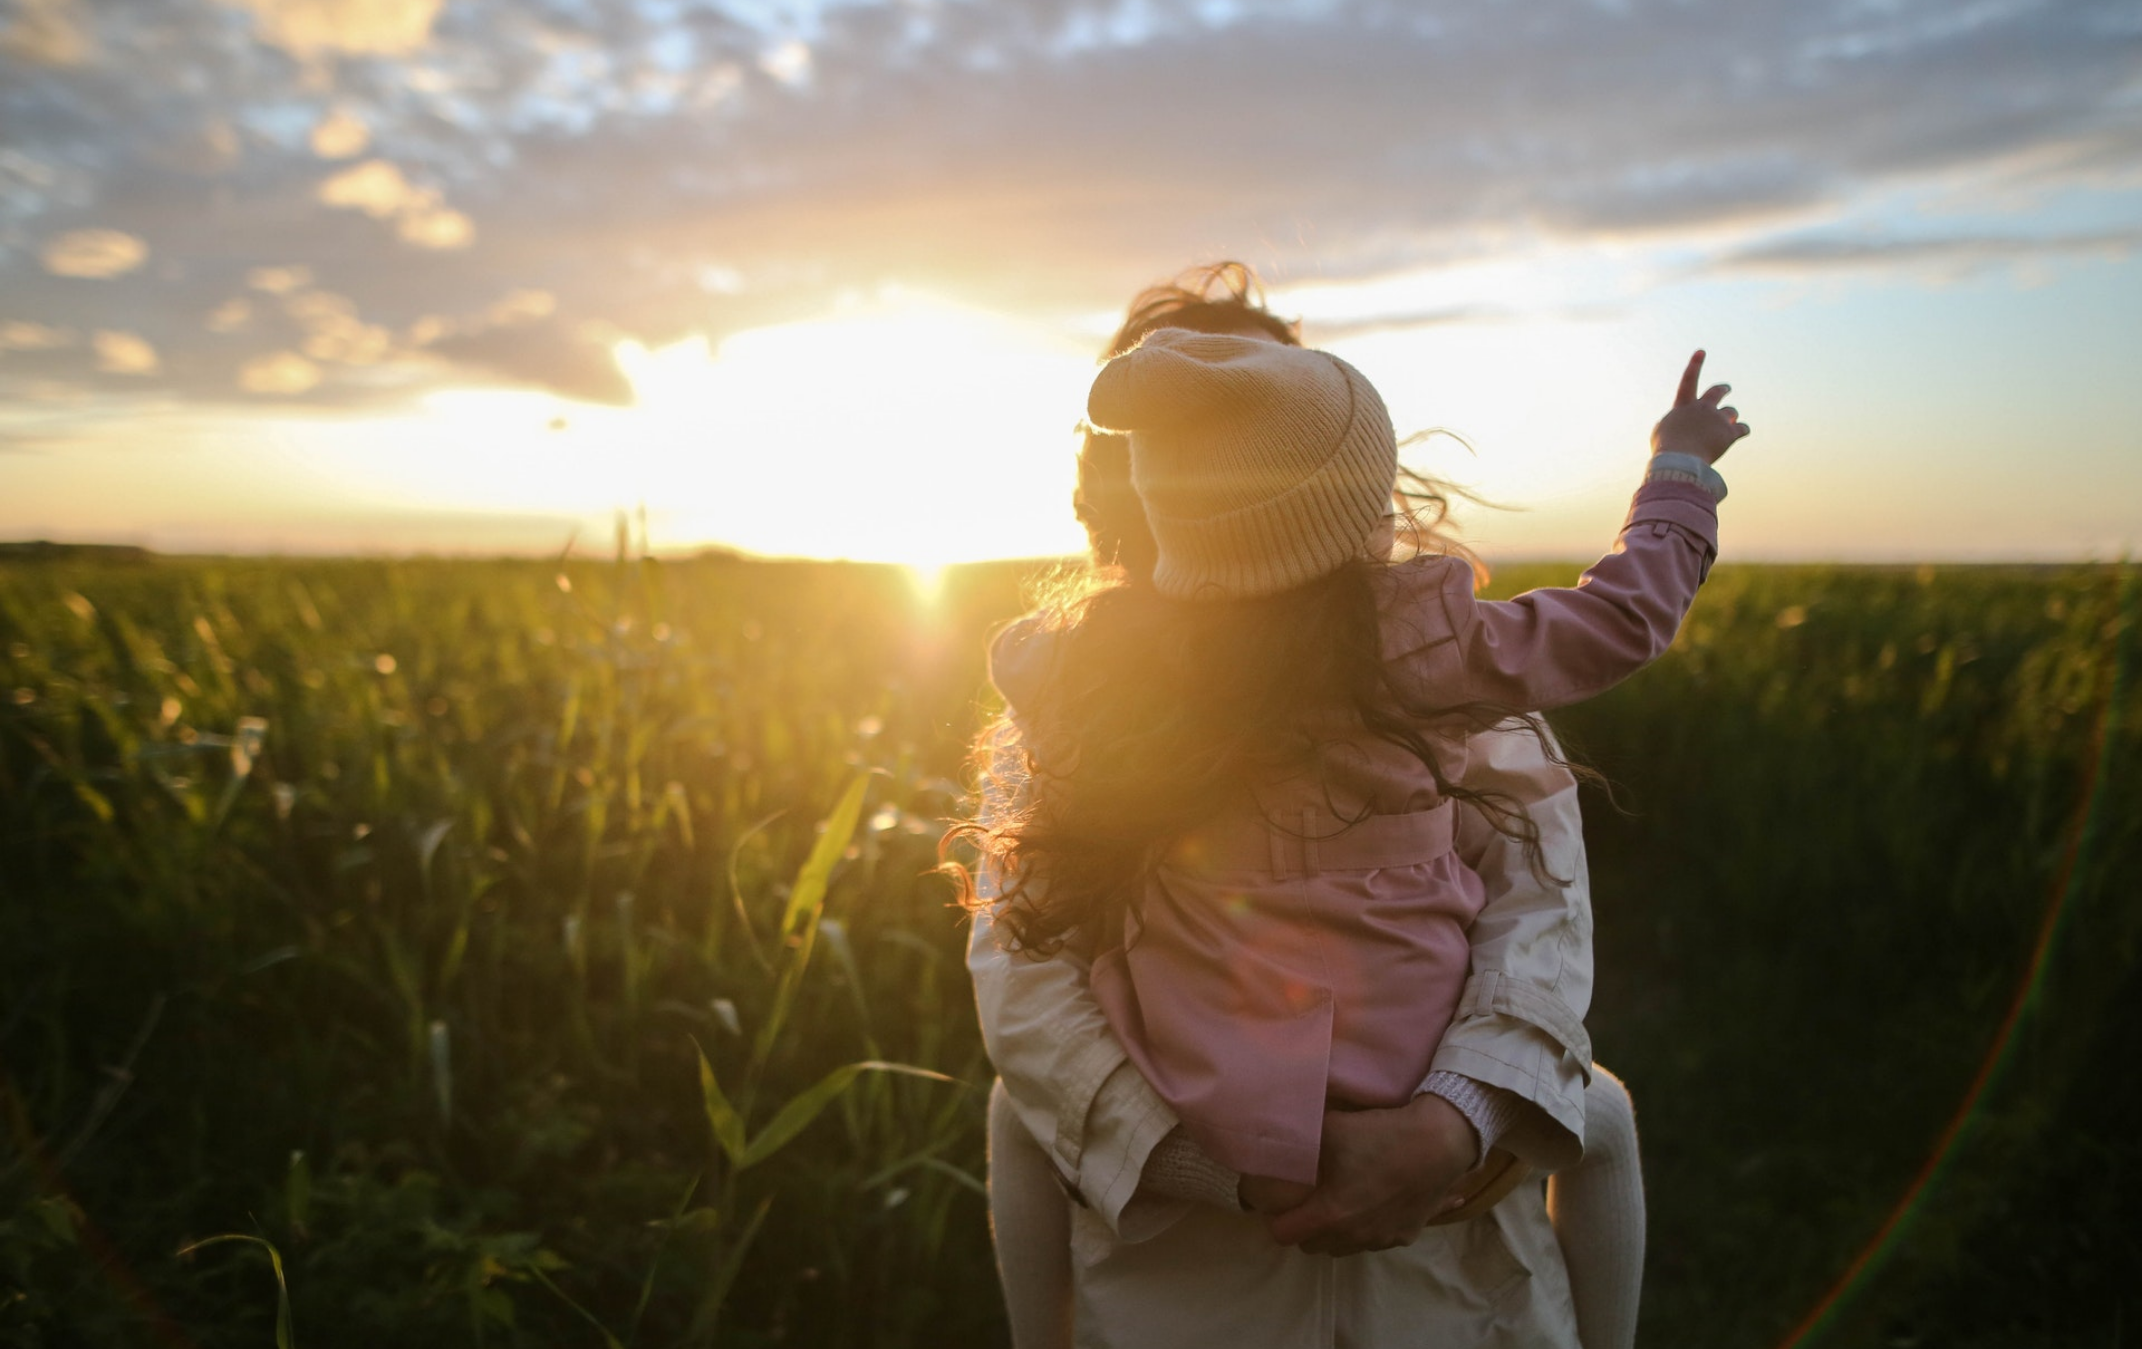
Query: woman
(1155, 1265)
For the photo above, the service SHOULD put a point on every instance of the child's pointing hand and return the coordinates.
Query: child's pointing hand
(1698, 426)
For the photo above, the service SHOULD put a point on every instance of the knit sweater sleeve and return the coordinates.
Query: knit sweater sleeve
(1177, 1168)
(1492, 1111)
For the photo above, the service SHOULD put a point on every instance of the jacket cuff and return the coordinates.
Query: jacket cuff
(1550, 1136)
(1511, 1034)
(1126, 1122)
(1683, 504)
(1492, 992)
(1685, 508)
(1083, 1068)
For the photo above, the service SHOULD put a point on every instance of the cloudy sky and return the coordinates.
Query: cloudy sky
(825, 277)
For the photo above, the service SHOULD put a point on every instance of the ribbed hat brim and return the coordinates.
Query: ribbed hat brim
(1275, 545)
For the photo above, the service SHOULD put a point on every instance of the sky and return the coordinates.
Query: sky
(827, 277)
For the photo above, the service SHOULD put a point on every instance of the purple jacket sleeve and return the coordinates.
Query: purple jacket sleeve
(1550, 648)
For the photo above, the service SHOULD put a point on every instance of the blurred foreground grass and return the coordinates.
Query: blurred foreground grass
(385, 910)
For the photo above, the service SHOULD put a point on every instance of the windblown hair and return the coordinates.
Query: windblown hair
(1158, 713)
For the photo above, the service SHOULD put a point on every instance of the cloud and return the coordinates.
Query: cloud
(430, 225)
(121, 353)
(19, 336)
(333, 330)
(339, 135)
(521, 306)
(230, 316)
(348, 27)
(375, 187)
(544, 354)
(279, 280)
(94, 253)
(658, 170)
(280, 372)
(789, 63)
(48, 33)
(1952, 254)
(1323, 332)
(378, 188)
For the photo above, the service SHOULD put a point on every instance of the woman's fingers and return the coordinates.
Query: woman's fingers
(1309, 1221)
(1730, 414)
(1355, 1245)
(1716, 392)
(1690, 377)
(1740, 429)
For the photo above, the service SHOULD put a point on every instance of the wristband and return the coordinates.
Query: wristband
(1674, 466)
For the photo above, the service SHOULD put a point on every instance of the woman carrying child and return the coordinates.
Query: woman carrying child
(1236, 784)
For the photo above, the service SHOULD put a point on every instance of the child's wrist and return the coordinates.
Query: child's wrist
(1680, 466)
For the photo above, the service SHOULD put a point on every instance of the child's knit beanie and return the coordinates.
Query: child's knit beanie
(1260, 466)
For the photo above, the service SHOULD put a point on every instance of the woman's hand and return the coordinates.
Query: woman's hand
(1698, 426)
(1382, 1175)
(1269, 1194)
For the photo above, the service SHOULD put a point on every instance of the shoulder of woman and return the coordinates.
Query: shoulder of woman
(1518, 757)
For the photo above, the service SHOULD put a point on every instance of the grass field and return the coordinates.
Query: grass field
(488, 944)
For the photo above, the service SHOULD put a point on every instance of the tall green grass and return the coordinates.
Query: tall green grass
(540, 956)
(387, 910)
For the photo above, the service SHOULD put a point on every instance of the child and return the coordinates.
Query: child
(1261, 756)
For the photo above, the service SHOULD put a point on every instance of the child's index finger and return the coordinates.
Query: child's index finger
(1690, 377)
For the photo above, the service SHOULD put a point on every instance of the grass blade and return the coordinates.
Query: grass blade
(609, 1341)
(810, 889)
(796, 1116)
(728, 1126)
(285, 1335)
(736, 893)
(805, 902)
(732, 1263)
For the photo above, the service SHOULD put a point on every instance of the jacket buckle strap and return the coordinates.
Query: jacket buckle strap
(1295, 854)
(1494, 993)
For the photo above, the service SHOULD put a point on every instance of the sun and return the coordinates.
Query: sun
(901, 430)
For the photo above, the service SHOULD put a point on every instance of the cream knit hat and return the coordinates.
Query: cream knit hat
(1261, 466)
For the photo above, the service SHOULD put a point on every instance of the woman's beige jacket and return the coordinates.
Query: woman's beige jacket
(1154, 1272)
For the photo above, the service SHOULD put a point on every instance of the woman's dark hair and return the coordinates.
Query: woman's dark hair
(1158, 713)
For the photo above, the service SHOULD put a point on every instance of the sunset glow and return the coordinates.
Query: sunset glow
(828, 279)
(880, 433)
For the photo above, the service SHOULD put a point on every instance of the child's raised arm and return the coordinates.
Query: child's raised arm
(1550, 648)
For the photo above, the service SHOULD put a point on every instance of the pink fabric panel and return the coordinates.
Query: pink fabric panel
(1252, 1003)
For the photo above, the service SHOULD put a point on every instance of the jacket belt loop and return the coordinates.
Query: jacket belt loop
(1309, 856)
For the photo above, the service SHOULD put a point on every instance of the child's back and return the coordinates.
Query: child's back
(1306, 944)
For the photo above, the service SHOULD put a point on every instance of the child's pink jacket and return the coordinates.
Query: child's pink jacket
(1284, 960)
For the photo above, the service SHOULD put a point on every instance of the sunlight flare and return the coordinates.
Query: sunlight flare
(907, 430)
